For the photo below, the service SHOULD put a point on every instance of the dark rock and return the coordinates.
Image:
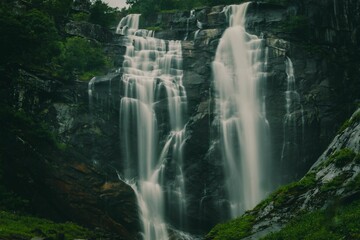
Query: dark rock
(89, 30)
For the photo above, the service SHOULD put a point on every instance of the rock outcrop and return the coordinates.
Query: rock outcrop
(334, 178)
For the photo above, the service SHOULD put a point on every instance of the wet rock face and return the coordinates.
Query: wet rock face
(89, 30)
(61, 185)
(324, 52)
(323, 82)
(333, 178)
(78, 183)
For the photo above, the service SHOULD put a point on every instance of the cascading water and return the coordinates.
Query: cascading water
(192, 16)
(293, 108)
(152, 79)
(239, 75)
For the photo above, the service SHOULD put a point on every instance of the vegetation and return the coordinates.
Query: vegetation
(341, 157)
(102, 14)
(14, 226)
(339, 221)
(349, 122)
(286, 192)
(234, 229)
(148, 7)
(82, 57)
(34, 39)
(335, 183)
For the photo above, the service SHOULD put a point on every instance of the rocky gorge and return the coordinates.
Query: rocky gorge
(82, 183)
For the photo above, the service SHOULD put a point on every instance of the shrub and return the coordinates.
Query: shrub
(82, 57)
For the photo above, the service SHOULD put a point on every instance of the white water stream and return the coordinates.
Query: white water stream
(239, 75)
(293, 107)
(152, 78)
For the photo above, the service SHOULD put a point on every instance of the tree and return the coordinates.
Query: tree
(102, 14)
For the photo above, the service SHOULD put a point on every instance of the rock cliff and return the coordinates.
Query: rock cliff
(320, 37)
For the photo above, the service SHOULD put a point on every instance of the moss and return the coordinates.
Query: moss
(339, 221)
(12, 225)
(154, 28)
(350, 122)
(234, 229)
(341, 157)
(354, 184)
(287, 192)
(335, 183)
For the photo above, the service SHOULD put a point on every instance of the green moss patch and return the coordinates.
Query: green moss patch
(287, 192)
(14, 226)
(339, 221)
(234, 229)
(335, 183)
(341, 157)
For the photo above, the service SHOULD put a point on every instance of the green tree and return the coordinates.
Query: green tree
(30, 37)
(82, 57)
(102, 14)
(40, 38)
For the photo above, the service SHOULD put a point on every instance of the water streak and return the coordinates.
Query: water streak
(152, 79)
(239, 75)
(294, 111)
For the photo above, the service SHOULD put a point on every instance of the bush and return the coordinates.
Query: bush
(80, 56)
(31, 38)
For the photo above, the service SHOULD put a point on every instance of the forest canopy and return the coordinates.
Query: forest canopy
(149, 7)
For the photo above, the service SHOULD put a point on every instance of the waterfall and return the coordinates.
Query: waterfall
(294, 111)
(239, 76)
(191, 17)
(153, 91)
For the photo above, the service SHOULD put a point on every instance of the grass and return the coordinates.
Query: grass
(13, 226)
(285, 193)
(234, 229)
(339, 221)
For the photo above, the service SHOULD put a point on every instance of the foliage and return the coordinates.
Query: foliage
(57, 9)
(80, 17)
(341, 157)
(336, 222)
(335, 183)
(82, 57)
(286, 192)
(18, 226)
(31, 38)
(8, 199)
(234, 229)
(20, 125)
(148, 7)
(102, 14)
